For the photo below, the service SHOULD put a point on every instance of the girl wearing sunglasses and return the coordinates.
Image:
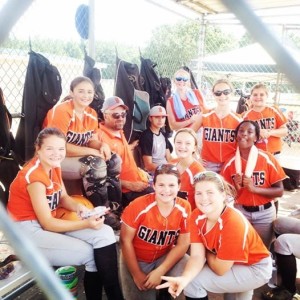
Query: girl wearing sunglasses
(219, 124)
(185, 105)
(227, 255)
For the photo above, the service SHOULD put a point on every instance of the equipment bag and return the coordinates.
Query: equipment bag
(141, 110)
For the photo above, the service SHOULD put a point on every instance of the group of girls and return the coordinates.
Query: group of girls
(157, 229)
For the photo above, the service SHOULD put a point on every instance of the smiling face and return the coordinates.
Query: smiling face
(115, 118)
(166, 187)
(51, 152)
(259, 97)
(246, 135)
(185, 144)
(82, 94)
(222, 99)
(208, 197)
(182, 80)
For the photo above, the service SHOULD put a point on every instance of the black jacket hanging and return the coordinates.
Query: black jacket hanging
(126, 82)
(151, 82)
(95, 75)
(42, 90)
(153, 85)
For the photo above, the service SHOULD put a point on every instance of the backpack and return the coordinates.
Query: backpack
(9, 166)
(141, 110)
(6, 137)
(166, 85)
(51, 84)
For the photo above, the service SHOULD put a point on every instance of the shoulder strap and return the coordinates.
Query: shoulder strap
(6, 138)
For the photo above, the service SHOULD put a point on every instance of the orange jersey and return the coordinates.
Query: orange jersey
(266, 172)
(189, 107)
(78, 132)
(218, 143)
(231, 238)
(119, 145)
(187, 181)
(269, 118)
(155, 235)
(19, 203)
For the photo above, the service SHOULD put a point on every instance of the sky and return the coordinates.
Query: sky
(126, 21)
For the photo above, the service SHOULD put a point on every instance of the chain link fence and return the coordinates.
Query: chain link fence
(220, 54)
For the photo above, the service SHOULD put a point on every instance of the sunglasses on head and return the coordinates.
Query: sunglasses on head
(166, 166)
(224, 92)
(205, 174)
(185, 79)
(119, 115)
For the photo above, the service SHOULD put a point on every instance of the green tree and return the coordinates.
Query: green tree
(172, 46)
(107, 53)
(49, 46)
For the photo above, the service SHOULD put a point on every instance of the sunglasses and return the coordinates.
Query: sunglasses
(166, 167)
(225, 92)
(206, 175)
(185, 79)
(117, 116)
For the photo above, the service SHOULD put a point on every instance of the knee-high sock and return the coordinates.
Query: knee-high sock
(189, 298)
(287, 268)
(107, 264)
(92, 286)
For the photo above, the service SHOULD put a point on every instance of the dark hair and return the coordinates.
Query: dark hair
(66, 98)
(47, 132)
(166, 169)
(78, 80)
(1, 96)
(255, 124)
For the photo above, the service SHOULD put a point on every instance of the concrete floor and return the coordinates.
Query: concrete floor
(288, 203)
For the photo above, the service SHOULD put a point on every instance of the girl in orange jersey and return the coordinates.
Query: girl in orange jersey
(36, 193)
(219, 124)
(258, 177)
(185, 105)
(185, 143)
(227, 255)
(87, 157)
(154, 236)
(270, 119)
